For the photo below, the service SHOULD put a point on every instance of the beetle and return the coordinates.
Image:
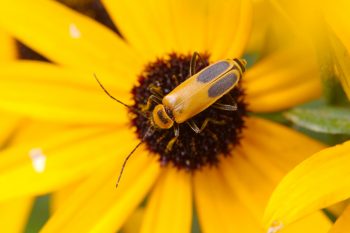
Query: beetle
(197, 93)
(200, 91)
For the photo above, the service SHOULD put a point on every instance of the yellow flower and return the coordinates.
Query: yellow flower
(93, 134)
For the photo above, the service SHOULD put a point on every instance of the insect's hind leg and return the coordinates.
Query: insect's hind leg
(193, 63)
(227, 107)
(197, 129)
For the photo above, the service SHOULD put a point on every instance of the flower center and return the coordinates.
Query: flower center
(190, 150)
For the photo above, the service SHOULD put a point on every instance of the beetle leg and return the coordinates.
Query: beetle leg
(151, 99)
(213, 135)
(225, 107)
(156, 90)
(161, 138)
(195, 127)
(170, 144)
(176, 129)
(175, 79)
(231, 100)
(193, 63)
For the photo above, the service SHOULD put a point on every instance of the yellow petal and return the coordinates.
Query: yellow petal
(68, 38)
(286, 98)
(170, 205)
(59, 197)
(267, 152)
(14, 214)
(8, 50)
(261, 23)
(338, 208)
(336, 15)
(96, 206)
(286, 147)
(228, 29)
(282, 80)
(338, 33)
(188, 22)
(47, 165)
(316, 183)
(243, 178)
(8, 125)
(32, 132)
(54, 93)
(342, 225)
(146, 25)
(302, 17)
(326, 24)
(219, 209)
(341, 61)
(133, 224)
(316, 222)
(158, 27)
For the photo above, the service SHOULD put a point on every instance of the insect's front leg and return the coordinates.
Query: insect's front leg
(156, 90)
(152, 99)
(171, 143)
(176, 129)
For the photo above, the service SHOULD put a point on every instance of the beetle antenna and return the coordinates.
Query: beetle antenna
(148, 132)
(112, 97)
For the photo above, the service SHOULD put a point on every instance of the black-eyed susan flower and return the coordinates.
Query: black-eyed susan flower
(227, 174)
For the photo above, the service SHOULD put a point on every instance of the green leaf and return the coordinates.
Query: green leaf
(40, 214)
(331, 120)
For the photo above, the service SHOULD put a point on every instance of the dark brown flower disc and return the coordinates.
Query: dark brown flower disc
(191, 151)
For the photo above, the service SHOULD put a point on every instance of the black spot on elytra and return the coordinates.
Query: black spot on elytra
(223, 85)
(212, 71)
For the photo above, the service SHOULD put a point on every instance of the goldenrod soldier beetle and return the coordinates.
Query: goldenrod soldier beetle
(200, 91)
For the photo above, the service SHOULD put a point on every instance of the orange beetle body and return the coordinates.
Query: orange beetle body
(198, 92)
